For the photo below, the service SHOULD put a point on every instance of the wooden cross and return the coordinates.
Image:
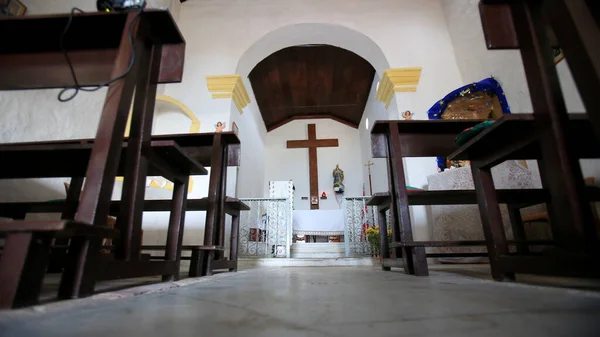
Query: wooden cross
(312, 143)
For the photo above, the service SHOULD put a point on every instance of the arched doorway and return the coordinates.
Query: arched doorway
(251, 124)
(250, 176)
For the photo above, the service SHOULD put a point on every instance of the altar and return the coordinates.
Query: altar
(318, 222)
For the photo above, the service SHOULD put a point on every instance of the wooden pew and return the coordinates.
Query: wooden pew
(24, 259)
(34, 60)
(57, 159)
(396, 140)
(509, 197)
(574, 255)
(204, 260)
(524, 25)
(200, 266)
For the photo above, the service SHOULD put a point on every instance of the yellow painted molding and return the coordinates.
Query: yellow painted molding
(194, 127)
(223, 95)
(229, 86)
(397, 80)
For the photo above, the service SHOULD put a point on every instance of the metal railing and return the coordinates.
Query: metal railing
(357, 218)
(265, 230)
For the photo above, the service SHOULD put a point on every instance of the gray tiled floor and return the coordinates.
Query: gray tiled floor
(289, 302)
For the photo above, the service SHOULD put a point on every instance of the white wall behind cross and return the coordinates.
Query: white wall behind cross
(292, 164)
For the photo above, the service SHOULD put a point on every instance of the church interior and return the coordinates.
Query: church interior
(299, 167)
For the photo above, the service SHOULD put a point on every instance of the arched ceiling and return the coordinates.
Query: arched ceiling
(311, 81)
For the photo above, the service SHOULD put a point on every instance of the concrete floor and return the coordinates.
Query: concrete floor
(327, 301)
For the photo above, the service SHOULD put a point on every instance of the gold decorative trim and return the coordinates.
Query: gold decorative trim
(397, 80)
(229, 86)
(194, 127)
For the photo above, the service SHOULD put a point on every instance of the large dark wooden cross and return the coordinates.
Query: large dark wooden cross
(312, 143)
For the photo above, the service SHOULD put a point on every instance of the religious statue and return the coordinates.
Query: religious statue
(338, 179)
(407, 115)
(220, 127)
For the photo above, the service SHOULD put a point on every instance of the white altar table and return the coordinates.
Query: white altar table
(318, 222)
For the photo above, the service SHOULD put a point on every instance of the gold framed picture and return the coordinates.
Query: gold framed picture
(16, 8)
(558, 55)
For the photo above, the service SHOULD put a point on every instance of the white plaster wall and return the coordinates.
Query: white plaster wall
(409, 33)
(374, 110)
(292, 164)
(252, 133)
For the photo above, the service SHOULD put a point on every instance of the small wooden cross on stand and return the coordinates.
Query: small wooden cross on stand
(368, 165)
(312, 143)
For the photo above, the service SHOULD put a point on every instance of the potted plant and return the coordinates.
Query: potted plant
(372, 234)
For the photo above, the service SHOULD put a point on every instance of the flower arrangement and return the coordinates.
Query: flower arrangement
(337, 188)
(372, 234)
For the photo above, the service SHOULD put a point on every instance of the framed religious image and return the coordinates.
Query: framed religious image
(234, 128)
(314, 200)
(558, 55)
(16, 8)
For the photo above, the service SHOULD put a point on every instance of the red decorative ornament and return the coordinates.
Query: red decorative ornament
(323, 195)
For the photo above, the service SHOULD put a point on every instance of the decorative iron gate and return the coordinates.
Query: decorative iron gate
(357, 218)
(265, 230)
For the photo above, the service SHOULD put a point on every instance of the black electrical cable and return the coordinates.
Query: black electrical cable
(78, 87)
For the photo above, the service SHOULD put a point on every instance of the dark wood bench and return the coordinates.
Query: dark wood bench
(64, 159)
(202, 259)
(205, 258)
(577, 252)
(233, 207)
(453, 197)
(25, 256)
(395, 140)
(29, 62)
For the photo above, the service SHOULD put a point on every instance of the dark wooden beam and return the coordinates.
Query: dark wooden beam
(299, 144)
(291, 119)
(498, 25)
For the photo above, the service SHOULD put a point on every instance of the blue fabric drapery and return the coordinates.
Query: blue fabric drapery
(488, 85)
